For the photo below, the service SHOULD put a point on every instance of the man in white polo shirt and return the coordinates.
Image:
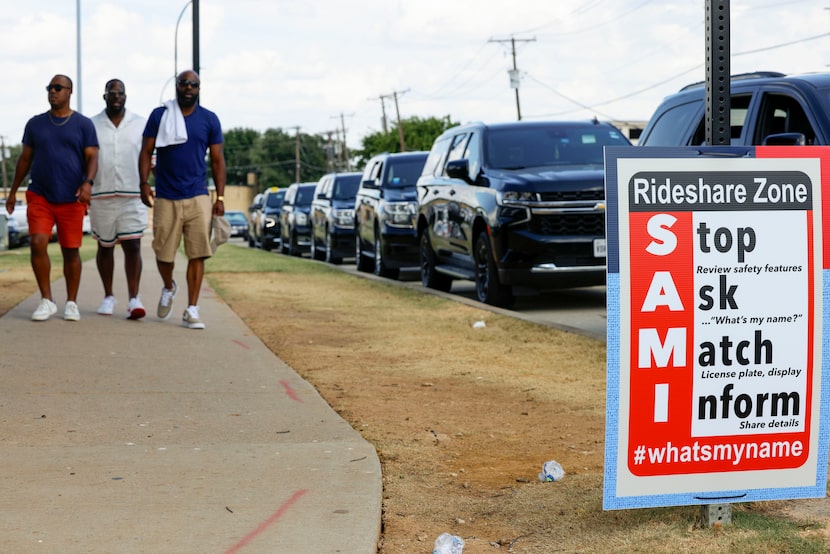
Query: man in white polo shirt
(116, 213)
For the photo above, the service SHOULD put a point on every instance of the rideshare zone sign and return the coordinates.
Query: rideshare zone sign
(717, 272)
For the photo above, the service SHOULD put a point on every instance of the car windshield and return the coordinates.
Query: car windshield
(404, 173)
(520, 147)
(236, 218)
(275, 199)
(345, 188)
(305, 195)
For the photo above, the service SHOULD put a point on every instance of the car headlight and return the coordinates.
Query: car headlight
(400, 213)
(516, 197)
(270, 221)
(344, 218)
(300, 218)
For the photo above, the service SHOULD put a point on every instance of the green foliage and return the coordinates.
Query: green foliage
(419, 134)
(272, 157)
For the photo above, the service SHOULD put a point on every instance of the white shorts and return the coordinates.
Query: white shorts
(117, 218)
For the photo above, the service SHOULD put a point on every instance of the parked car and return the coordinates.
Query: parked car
(239, 223)
(332, 217)
(515, 204)
(766, 108)
(13, 232)
(264, 230)
(385, 210)
(20, 222)
(295, 227)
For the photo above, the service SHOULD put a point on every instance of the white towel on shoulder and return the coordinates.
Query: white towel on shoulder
(171, 128)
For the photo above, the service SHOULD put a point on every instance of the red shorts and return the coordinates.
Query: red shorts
(69, 218)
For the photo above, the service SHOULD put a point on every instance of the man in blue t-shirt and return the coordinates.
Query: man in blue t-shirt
(60, 149)
(181, 131)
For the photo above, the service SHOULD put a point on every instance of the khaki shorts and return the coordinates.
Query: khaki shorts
(189, 217)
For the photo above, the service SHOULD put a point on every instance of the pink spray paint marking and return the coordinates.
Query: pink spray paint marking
(267, 523)
(242, 344)
(292, 394)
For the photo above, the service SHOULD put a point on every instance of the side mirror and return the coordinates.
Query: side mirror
(459, 169)
(785, 139)
(370, 184)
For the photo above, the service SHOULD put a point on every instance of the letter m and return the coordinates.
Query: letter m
(651, 346)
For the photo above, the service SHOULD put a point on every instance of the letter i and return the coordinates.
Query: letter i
(661, 403)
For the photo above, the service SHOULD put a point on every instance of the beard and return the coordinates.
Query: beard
(186, 102)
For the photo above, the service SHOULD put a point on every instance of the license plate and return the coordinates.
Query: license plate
(599, 248)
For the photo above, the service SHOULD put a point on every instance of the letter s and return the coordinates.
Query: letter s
(664, 241)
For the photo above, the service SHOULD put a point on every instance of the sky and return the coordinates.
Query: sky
(323, 65)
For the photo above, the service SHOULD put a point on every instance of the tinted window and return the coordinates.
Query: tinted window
(520, 147)
(345, 188)
(404, 173)
(304, 196)
(237, 218)
(275, 199)
(670, 128)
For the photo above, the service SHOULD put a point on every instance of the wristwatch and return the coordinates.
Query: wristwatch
(90, 181)
(220, 198)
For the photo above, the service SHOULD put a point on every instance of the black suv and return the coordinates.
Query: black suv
(264, 229)
(385, 210)
(295, 228)
(332, 217)
(515, 204)
(766, 108)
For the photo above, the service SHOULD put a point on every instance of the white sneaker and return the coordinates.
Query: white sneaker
(107, 305)
(190, 318)
(70, 312)
(44, 310)
(166, 301)
(135, 308)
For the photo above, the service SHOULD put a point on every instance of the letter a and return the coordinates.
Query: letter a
(662, 292)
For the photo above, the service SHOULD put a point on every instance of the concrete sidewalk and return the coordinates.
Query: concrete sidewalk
(121, 436)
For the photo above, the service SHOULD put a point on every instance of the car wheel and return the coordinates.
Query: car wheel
(362, 262)
(380, 268)
(488, 288)
(293, 249)
(430, 278)
(316, 252)
(329, 256)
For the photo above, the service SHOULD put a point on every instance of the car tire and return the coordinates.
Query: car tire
(329, 251)
(362, 262)
(380, 269)
(488, 288)
(293, 249)
(430, 277)
(316, 253)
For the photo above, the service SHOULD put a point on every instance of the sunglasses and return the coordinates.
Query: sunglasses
(184, 83)
(56, 88)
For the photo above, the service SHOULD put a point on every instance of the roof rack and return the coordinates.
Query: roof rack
(742, 77)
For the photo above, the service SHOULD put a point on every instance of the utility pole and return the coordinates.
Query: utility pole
(383, 111)
(347, 164)
(297, 154)
(394, 96)
(514, 73)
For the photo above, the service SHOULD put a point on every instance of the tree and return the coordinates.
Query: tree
(419, 134)
(239, 147)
